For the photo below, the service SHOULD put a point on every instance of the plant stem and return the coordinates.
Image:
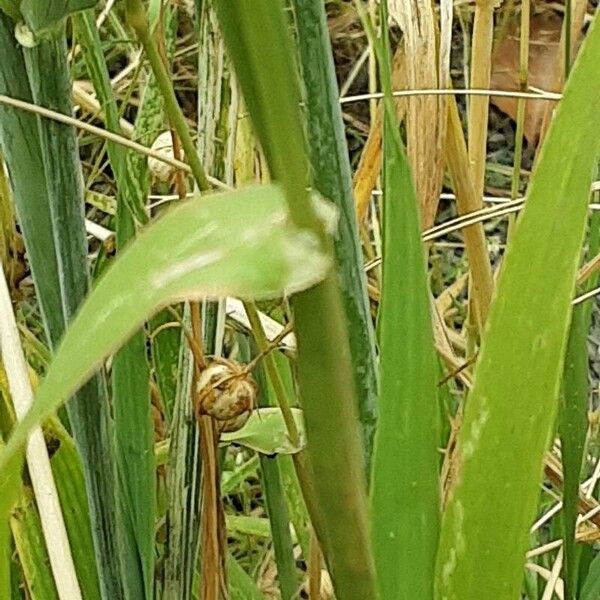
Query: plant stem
(273, 372)
(137, 20)
(332, 178)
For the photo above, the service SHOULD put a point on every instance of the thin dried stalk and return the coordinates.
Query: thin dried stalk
(369, 166)
(468, 200)
(426, 118)
(481, 54)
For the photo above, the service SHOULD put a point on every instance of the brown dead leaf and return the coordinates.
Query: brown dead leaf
(545, 30)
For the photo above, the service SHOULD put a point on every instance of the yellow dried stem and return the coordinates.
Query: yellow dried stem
(426, 117)
(369, 166)
(468, 200)
(481, 59)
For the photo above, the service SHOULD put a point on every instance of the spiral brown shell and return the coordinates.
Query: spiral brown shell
(226, 392)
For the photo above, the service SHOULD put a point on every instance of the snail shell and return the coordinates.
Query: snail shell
(226, 392)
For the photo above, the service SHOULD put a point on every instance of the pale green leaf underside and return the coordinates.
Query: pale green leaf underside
(265, 432)
(511, 410)
(232, 244)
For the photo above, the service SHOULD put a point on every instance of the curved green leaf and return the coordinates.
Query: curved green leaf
(237, 243)
(510, 412)
(44, 14)
(266, 432)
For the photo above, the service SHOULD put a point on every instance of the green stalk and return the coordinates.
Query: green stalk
(277, 509)
(28, 181)
(259, 44)
(273, 372)
(134, 430)
(137, 20)
(333, 179)
(49, 205)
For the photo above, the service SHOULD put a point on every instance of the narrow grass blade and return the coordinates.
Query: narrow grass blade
(31, 548)
(236, 243)
(134, 432)
(22, 152)
(405, 501)
(277, 511)
(573, 421)
(70, 483)
(332, 178)
(10, 485)
(259, 44)
(183, 485)
(241, 585)
(5, 560)
(280, 528)
(573, 424)
(510, 412)
(50, 82)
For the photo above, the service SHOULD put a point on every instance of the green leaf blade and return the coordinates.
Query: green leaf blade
(405, 503)
(510, 413)
(239, 243)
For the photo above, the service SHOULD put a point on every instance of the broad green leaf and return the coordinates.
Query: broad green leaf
(237, 243)
(265, 432)
(405, 503)
(44, 14)
(242, 586)
(510, 413)
(591, 586)
(248, 525)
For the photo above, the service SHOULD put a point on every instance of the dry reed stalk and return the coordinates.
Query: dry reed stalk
(468, 200)
(369, 167)
(481, 54)
(426, 116)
